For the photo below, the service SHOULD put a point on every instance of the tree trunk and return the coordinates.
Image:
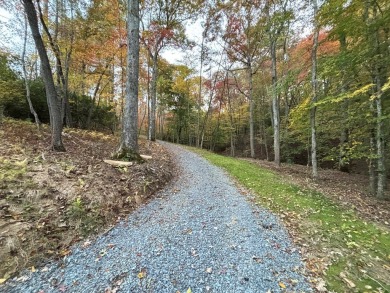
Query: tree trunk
(275, 105)
(129, 141)
(231, 120)
(380, 142)
(199, 101)
(51, 93)
(95, 94)
(25, 75)
(371, 160)
(66, 106)
(380, 146)
(314, 96)
(153, 101)
(62, 73)
(251, 110)
(344, 136)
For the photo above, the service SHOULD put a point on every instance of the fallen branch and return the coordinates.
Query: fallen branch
(145, 157)
(118, 163)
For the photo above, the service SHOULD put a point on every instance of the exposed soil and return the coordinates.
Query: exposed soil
(48, 200)
(349, 190)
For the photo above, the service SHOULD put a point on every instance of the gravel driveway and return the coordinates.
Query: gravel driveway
(199, 235)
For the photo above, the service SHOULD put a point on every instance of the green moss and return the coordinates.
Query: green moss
(362, 250)
(127, 155)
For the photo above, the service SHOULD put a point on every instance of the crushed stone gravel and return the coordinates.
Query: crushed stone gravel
(199, 235)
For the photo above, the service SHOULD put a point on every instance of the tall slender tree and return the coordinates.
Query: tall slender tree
(277, 19)
(25, 76)
(51, 93)
(243, 41)
(163, 25)
(314, 95)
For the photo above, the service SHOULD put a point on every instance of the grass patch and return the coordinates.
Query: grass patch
(11, 169)
(356, 253)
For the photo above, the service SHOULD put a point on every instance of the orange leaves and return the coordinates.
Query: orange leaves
(301, 53)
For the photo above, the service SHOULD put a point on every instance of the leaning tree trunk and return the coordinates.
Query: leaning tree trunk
(128, 148)
(51, 93)
(25, 75)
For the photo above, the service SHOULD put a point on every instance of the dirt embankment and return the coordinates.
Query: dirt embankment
(48, 201)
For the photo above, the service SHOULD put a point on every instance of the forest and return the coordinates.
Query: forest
(298, 82)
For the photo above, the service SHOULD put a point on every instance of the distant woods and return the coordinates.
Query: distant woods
(291, 82)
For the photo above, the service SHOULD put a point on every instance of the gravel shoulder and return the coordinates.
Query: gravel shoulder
(199, 233)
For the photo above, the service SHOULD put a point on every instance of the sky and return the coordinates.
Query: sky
(194, 32)
(4, 17)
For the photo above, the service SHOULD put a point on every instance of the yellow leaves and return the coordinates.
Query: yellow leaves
(141, 274)
(2, 281)
(364, 90)
(65, 252)
(33, 270)
(281, 285)
(386, 86)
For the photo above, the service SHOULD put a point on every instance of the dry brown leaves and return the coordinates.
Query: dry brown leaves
(60, 198)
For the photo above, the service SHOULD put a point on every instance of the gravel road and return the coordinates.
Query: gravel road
(199, 235)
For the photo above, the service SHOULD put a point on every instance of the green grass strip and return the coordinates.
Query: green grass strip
(358, 252)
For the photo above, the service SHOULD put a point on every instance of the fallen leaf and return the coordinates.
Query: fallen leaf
(33, 269)
(321, 286)
(65, 252)
(282, 285)
(349, 283)
(2, 281)
(209, 270)
(141, 275)
(257, 259)
(189, 290)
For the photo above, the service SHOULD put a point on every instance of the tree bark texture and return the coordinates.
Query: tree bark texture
(129, 140)
(51, 93)
(153, 100)
(251, 110)
(314, 98)
(275, 105)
